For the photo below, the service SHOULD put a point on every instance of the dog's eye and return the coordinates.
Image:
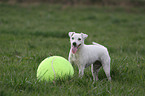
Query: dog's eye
(79, 39)
(72, 38)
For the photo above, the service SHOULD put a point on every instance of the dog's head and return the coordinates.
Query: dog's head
(77, 40)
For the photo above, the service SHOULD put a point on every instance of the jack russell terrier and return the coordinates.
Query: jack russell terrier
(84, 55)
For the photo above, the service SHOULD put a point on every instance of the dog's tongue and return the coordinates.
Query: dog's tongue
(74, 50)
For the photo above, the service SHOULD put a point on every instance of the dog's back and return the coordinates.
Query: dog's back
(94, 43)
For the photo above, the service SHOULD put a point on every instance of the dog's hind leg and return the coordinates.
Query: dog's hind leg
(95, 69)
(106, 67)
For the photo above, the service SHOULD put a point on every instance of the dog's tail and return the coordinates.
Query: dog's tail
(97, 44)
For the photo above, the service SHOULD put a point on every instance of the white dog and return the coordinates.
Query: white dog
(83, 55)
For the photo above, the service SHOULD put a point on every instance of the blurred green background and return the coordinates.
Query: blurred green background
(31, 31)
(86, 2)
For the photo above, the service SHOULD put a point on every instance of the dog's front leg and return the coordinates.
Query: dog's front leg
(70, 58)
(81, 72)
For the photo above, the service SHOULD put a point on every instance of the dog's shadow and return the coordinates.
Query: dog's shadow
(115, 74)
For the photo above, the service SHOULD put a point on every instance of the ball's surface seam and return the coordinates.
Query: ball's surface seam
(53, 68)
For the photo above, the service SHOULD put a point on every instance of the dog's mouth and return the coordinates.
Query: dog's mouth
(75, 48)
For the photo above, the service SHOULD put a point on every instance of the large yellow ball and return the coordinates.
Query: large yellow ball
(53, 68)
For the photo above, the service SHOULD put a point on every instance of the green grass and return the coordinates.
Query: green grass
(29, 34)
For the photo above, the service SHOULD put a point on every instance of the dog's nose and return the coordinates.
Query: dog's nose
(74, 43)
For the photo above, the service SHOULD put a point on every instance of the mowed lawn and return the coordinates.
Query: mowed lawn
(31, 33)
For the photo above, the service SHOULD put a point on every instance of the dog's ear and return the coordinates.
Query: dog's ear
(70, 34)
(84, 36)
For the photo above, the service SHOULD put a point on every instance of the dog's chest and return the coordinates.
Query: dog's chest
(75, 58)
